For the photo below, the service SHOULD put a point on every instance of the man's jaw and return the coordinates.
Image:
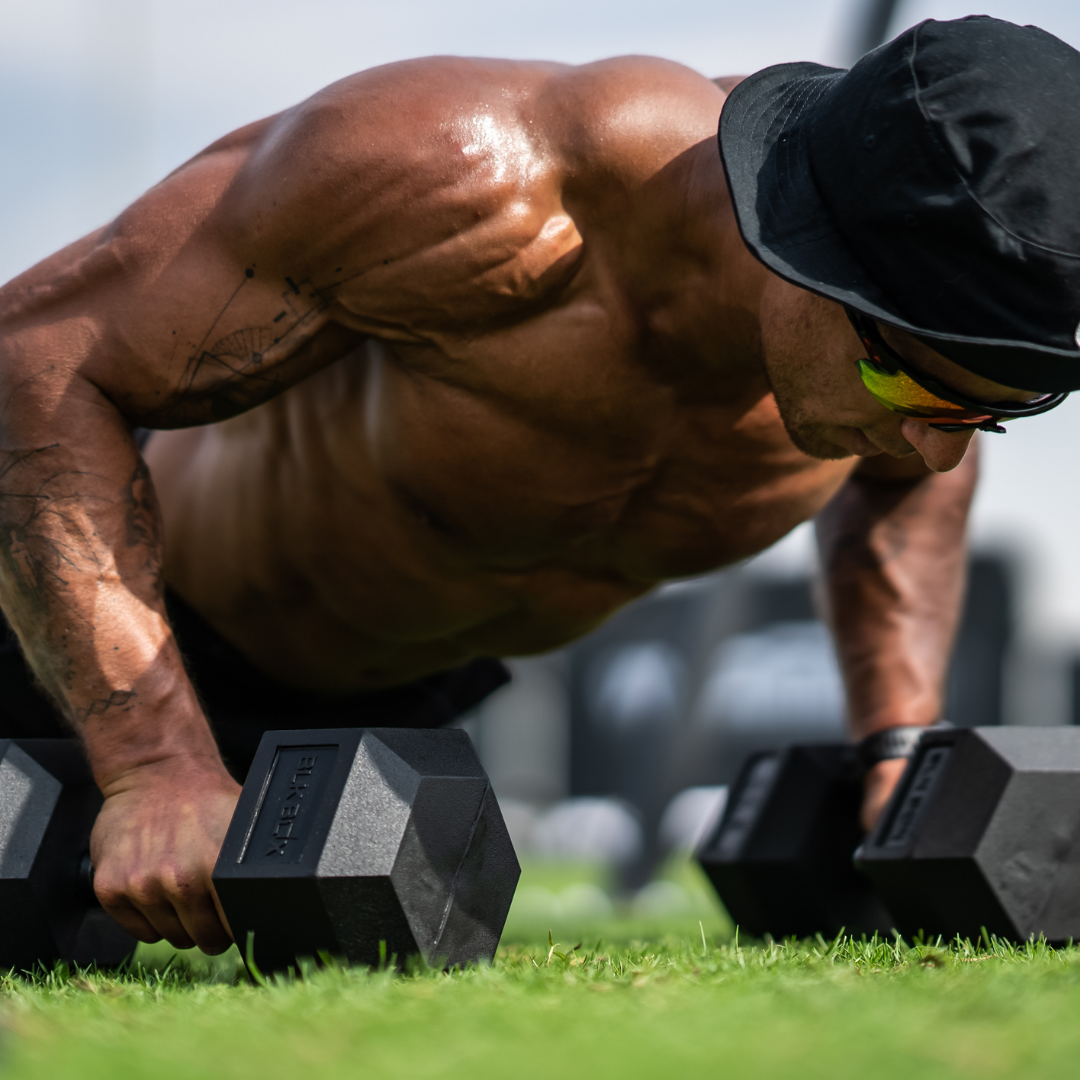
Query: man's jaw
(856, 441)
(834, 441)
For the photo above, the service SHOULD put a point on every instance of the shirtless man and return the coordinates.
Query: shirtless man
(447, 362)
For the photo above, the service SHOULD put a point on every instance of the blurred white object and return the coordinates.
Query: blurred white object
(641, 685)
(524, 732)
(783, 676)
(662, 898)
(533, 903)
(589, 829)
(690, 816)
(520, 818)
(582, 900)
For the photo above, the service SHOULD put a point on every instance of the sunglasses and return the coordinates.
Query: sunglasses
(903, 389)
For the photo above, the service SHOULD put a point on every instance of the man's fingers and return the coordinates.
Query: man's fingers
(203, 924)
(154, 850)
(167, 923)
(185, 919)
(131, 919)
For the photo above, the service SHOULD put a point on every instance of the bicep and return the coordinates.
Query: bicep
(175, 313)
(366, 210)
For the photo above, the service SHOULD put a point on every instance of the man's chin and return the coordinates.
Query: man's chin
(831, 443)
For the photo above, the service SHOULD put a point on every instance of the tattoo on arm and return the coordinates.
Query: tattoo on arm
(50, 544)
(44, 538)
(228, 374)
(116, 700)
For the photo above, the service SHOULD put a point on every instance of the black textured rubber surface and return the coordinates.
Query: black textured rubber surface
(781, 855)
(48, 804)
(367, 845)
(984, 832)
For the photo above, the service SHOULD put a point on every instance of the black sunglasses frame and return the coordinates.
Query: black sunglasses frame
(882, 354)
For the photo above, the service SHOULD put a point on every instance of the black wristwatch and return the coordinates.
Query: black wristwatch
(890, 743)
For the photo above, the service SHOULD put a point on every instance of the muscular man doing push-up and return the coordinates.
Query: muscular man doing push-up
(458, 356)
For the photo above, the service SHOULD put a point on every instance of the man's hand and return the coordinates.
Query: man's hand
(878, 787)
(154, 846)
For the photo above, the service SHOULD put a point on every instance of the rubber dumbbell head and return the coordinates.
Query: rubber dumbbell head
(780, 857)
(48, 805)
(367, 844)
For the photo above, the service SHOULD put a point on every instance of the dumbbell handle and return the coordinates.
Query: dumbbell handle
(86, 878)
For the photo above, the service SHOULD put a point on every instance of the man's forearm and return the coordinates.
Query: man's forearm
(80, 582)
(893, 557)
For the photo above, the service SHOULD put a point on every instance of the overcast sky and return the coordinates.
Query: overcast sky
(102, 97)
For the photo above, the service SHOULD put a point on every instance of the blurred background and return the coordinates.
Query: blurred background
(612, 754)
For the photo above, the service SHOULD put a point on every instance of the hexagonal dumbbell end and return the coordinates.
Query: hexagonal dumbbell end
(48, 804)
(780, 857)
(367, 844)
(983, 830)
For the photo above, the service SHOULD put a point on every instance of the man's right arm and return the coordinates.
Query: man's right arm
(182, 312)
(375, 207)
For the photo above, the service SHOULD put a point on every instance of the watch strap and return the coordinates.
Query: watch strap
(888, 744)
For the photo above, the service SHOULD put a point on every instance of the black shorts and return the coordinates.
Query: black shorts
(242, 702)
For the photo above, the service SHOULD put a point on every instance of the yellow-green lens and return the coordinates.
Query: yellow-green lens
(902, 394)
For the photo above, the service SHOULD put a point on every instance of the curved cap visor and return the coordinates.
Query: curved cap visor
(776, 128)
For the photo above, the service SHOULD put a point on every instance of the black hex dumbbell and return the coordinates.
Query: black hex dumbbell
(353, 843)
(780, 857)
(983, 832)
(48, 803)
(367, 844)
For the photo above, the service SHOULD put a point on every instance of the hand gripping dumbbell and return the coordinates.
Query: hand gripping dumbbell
(364, 844)
(780, 857)
(983, 832)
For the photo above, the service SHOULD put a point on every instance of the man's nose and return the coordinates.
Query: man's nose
(941, 450)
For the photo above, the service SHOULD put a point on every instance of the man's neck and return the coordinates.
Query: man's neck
(693, 280)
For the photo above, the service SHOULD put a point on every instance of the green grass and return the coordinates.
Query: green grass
(670, 1003)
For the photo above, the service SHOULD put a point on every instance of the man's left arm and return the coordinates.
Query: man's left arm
(893, 556)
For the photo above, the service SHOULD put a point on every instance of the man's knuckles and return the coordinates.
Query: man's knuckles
(169, 884)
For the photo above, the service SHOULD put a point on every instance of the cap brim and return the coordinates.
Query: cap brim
(786, 224)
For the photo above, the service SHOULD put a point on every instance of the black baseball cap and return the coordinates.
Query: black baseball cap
(935, 186)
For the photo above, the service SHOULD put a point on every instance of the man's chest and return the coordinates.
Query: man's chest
(579, 448)
(405, 509)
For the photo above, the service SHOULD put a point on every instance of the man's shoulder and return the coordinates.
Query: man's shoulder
(406, 155)
(632, 114)
(449, 116)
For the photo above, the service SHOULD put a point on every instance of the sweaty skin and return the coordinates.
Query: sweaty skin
(460, 356)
